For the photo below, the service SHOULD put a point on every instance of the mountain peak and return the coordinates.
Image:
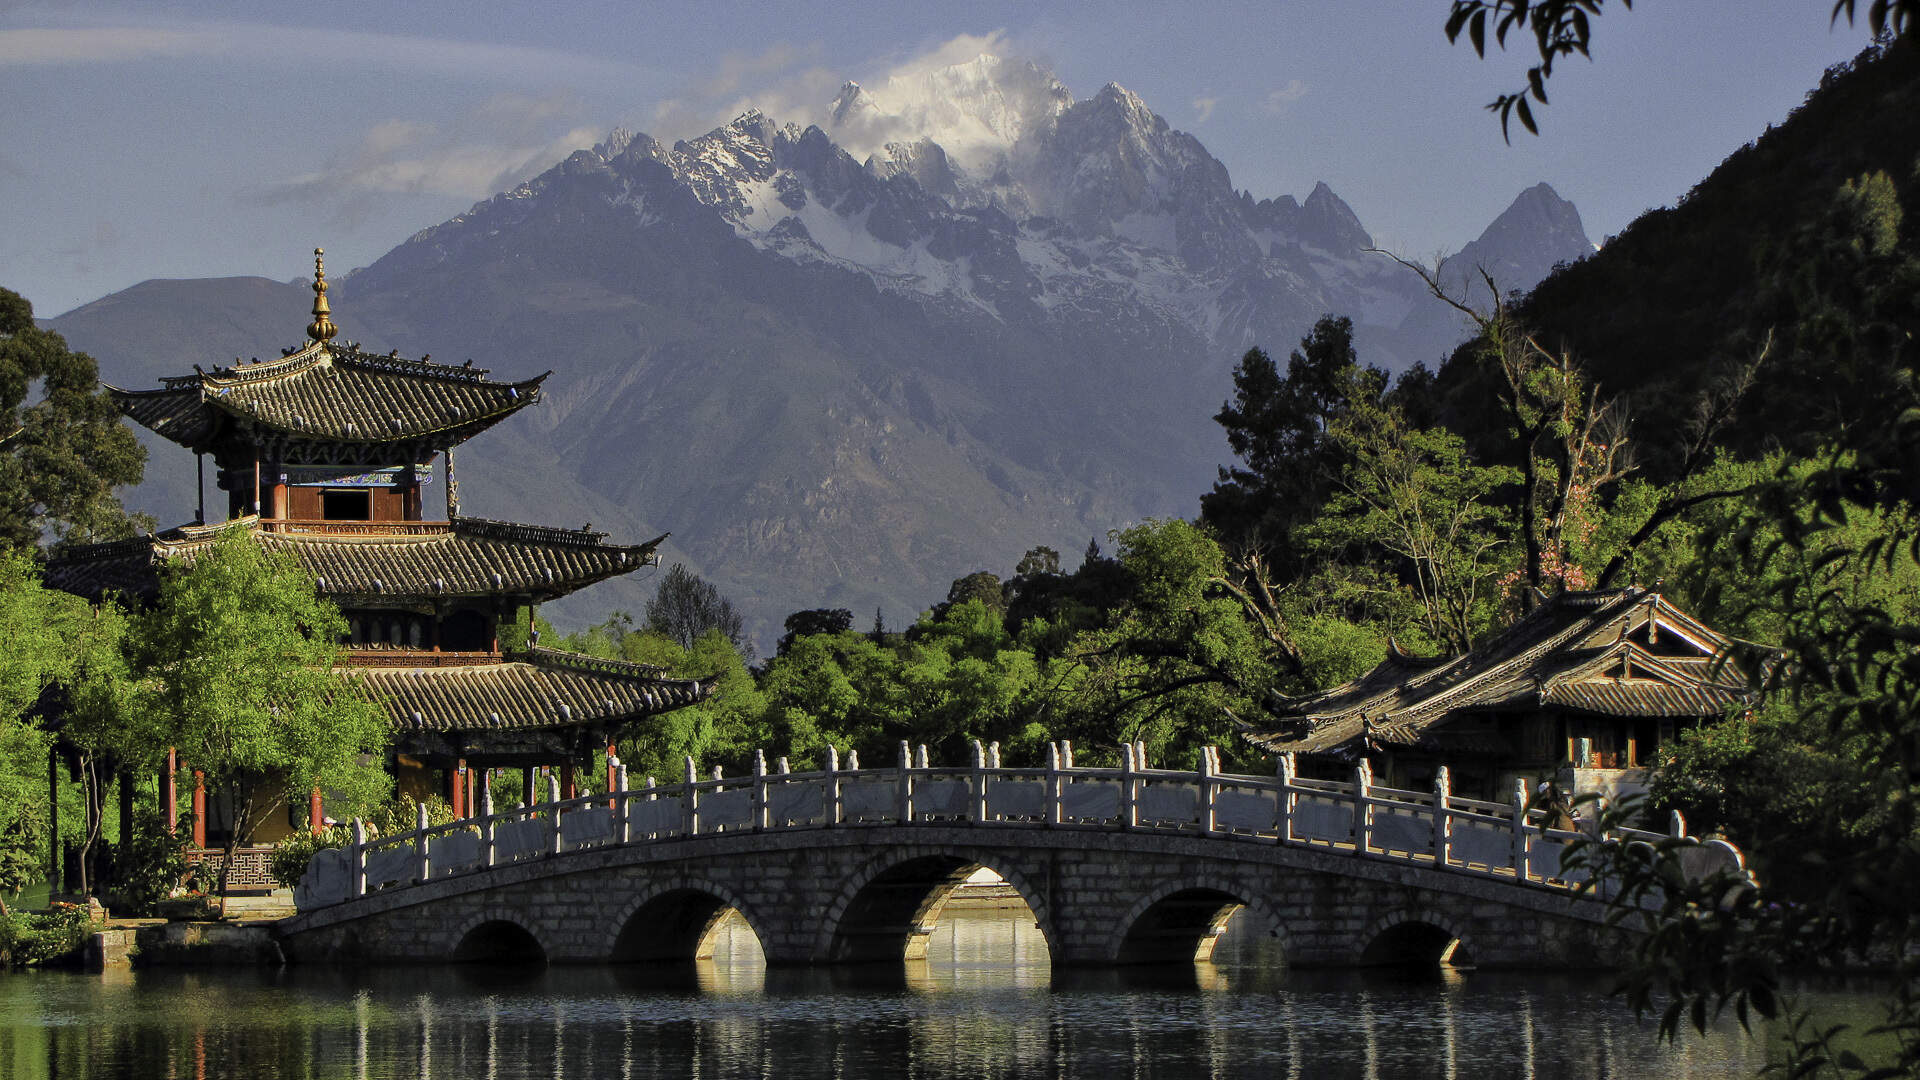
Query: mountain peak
(1536, 232)
(1327, 222)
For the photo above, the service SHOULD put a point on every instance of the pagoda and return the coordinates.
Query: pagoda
(323, 454)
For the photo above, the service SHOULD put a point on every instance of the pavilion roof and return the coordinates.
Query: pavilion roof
(461, 557)
(539, 689)
(329, 393)
(1624, 652)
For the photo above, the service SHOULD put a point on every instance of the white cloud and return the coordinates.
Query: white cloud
(498, 144)
(1203, 108)
(101, 45)
(277, 46)
(1277, 101)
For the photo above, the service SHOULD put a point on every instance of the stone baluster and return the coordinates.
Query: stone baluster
(689, 813)
(486, 827)
(1362, 807)
(920, 757)
(977, 785)
(423, 861)
(1519, 829)
(1140, 752)
(759, 791)
(1052, 788)
(1209, 768)
(905, 779)
(833, 786)
(717, 774)
(1066, 754)
(1284, 771)
(554, 841)
(622, 807)
(1442, 818)
(357, 860)
(780, 766)
(993, 755)
(1676, 825)
(1129, 788)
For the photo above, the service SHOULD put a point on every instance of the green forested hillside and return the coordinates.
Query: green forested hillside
(1801, 233)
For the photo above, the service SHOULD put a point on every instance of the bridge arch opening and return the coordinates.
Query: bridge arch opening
(1179, 928)
(500, 943)
(685, 925)
(897, 914)
(1416, 945)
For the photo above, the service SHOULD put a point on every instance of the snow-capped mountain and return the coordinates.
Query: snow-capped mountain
(847, 364)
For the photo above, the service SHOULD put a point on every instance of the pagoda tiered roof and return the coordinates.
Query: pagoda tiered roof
(327, 396)
(1623, 652)
(531, 691)
(464, 557)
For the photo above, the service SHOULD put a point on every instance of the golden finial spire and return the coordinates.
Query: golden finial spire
(322, 328)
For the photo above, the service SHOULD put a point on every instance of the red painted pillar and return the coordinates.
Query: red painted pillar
(613, 758)
(473, 791)
(199, 809)
(457, 787)
(169, 791)
(316, 814)
(567, 789)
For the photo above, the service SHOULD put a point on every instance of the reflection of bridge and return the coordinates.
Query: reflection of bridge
(1117, 865)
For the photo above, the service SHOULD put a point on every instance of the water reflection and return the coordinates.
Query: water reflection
(985, 1003)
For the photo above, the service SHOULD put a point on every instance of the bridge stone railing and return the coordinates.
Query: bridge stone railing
(1361, 819)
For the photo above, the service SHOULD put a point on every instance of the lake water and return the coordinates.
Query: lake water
(985, 1004)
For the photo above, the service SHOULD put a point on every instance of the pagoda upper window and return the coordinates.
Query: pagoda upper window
(346, 504)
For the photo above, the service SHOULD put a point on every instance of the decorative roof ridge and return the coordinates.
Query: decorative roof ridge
(260, 371)
(105, 549)
(584, 536)
(129, 545)
(544, 657)
(354, 356)
(207, 530)
(1605, 656)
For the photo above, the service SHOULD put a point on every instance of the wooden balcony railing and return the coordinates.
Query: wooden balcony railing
(356, 528)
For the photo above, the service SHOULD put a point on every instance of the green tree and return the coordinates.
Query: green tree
(39, 627)
(237, 666)
(63, 449)
(1177, 661)
(686, 606)
(1415, 495)
(1277, 426)
(725, 729)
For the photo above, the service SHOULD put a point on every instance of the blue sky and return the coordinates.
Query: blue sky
(210, 139)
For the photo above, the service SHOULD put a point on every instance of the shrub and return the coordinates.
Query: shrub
(54, 936)
(151, 865)
(291, 856)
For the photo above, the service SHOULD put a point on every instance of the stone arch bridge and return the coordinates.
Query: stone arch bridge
(848, 865)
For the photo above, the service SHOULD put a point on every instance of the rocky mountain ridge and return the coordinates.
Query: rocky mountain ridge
(842, 380)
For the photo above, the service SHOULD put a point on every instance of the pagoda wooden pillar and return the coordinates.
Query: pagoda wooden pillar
(567, 788)
(55, 880)
(199, 809)
(316, 812)
(529, 777)
(613, 764)
(169, 791)
(457, 788)
(126, 809)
